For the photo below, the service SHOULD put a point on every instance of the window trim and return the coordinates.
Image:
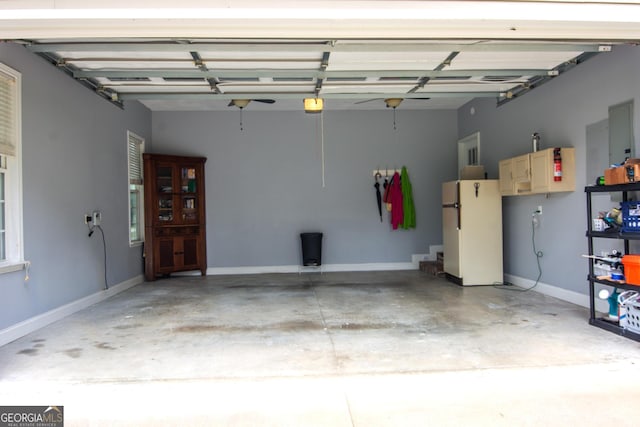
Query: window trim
(139, 188)
(13, 191)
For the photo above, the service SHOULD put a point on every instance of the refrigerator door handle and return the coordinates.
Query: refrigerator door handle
(456, 205)
(459, 206)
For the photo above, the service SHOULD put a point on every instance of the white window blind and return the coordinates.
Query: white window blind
(7, 114)
(11, 235)
(135, 148)
(135, 159)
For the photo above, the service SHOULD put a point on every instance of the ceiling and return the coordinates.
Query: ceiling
(351, 60)
(208, 74)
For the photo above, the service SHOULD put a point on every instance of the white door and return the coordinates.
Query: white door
(468, 151)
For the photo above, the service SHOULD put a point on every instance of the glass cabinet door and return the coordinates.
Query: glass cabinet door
(165, 207)
(188, 197)
(164, 184)
(188, 179)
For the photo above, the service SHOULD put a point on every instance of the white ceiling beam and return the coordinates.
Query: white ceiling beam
(297, 95)
(317, 46)
(311, 74)
(542, 20)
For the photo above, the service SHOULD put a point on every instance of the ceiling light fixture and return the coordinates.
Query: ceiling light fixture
(393, 102)
(240, 103)
(313, 105)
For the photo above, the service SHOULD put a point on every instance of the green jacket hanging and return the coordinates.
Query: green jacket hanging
(407, 201)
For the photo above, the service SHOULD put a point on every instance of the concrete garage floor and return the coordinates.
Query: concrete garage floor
(337, 349)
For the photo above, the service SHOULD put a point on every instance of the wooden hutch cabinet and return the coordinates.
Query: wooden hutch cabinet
(174, 214)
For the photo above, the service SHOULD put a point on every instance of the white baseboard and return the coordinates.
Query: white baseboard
(556, 292)
(376, 266)
(25, 327)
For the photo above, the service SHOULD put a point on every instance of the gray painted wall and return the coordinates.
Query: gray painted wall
(74, 161)
(264, 183)
(560, 111)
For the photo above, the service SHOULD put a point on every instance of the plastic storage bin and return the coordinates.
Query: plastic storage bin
(598, 224)
(632, 269)
(631, 314)
(631, 217)
(311, 249)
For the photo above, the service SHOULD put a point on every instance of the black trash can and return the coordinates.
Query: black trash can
(311, 249)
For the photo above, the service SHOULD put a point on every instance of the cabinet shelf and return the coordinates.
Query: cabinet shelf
(634, 186)
(613, 327)
(614, 284)
(613, 235)
(182, 193)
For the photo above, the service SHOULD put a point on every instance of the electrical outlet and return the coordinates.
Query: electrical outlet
(97, 217)
(88, 218)
(540, 210)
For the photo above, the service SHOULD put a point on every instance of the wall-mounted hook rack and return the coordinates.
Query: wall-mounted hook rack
(385, 172)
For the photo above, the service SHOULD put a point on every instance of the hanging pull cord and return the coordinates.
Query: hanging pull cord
(320, 140)
(394, 118)
(241, 128)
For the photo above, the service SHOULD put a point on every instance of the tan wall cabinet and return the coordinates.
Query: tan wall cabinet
(542, 178)
(506, 182)
(533, 173)
(515, 176)
(175, 232)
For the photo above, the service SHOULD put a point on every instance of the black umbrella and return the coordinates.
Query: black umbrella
(378, 195)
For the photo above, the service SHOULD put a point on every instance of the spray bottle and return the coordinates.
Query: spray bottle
(612, 299)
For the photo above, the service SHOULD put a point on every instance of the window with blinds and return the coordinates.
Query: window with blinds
(135, 159)
(11, 246)
(3, 232)
(7, 148)
(7, 114)
(135, 148)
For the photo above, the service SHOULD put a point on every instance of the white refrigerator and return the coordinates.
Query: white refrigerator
(472, 231)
